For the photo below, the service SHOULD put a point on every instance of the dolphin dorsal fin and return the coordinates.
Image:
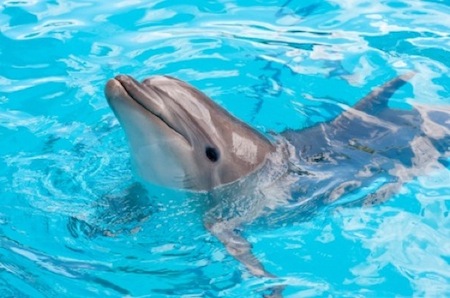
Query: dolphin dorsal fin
(378, 99)
(376, 102)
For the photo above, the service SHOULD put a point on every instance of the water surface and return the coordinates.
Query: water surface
(73, 221)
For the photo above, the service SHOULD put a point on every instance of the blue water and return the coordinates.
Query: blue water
(73, 221)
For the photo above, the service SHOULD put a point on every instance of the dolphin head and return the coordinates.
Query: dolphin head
(180, 138)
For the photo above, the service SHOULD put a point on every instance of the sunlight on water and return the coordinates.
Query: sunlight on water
(75, 222)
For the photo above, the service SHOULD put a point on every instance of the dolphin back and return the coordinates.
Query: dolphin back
(372, 142)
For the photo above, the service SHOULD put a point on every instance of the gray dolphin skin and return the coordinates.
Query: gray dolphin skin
(180, 138)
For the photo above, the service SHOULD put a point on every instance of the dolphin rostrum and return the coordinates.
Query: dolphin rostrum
(180, 138)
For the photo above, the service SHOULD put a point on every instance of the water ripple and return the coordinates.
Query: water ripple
(72, 219)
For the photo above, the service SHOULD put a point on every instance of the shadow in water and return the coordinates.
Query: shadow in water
(123, 212)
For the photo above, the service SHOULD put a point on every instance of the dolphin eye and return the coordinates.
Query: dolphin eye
(212, 154)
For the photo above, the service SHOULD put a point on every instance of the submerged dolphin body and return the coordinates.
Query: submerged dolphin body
(181, 138)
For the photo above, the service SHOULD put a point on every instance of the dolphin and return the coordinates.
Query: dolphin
(180, 138)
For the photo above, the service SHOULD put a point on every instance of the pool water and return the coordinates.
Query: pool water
(75, 222)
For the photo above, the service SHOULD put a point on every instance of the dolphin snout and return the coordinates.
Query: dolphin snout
(113, 89)
(125, 79)
(116, 88)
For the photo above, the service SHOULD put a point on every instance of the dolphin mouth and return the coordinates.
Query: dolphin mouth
(147, 98)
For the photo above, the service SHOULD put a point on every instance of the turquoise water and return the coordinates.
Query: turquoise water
(73, 221)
